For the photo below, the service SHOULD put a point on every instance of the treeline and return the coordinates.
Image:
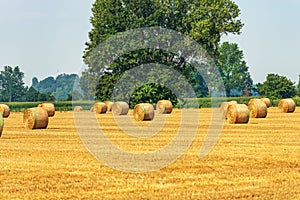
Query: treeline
(13, 89)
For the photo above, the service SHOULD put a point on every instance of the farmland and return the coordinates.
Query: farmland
(255, 160)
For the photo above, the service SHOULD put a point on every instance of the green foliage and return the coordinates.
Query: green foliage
(11, 84)
(32, 95)
(58, 87)
(233, 69)
(204, 21)
(151, 93)
(277, 87)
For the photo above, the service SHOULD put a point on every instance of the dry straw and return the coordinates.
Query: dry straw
(237, 113)
(224, 107)
(257, 108)
(120, 108)
(143, 111)
(35, 118)
(5, 110)
(266, 101)
(164, 106)
(1, 124)
(92, 109)
(108, 105)
(78, 108)
(100, 108)
(287, 105)
(49, 107)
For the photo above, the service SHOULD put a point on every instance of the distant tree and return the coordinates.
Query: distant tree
(234, 69)
(277, 87)
(46, 97)
(58, 87)
(74, 95)
(46, 85)
(34, 82)
(32, 95)
(11, 84)
(64, 85)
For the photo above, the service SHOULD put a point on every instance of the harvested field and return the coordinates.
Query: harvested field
(258, 160)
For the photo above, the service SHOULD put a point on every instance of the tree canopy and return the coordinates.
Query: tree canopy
(233, 69)
(277, 87)
(12, 85)
(59, 87)
(204, 21)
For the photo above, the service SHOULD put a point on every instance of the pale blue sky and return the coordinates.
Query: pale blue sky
(46, 38)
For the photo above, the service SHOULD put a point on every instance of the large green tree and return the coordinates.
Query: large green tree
(277, 87)
(12, 84)
(204, 21)
(234, 69)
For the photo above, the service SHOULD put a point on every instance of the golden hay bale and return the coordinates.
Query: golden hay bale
(108, 105)
(224, 107)
(35, 118)
(143, 111)
(287, 105)
(266, 101)
(78, 108)
(92, 109)
(100, 108)
(164, 106)
(237, 113)
(257, 108)
(120, 108)
(1, 124)
(50, 108)
(5, 110)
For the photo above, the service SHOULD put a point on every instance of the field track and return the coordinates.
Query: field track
(259, 160)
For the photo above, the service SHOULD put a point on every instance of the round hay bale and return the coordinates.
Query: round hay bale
(120, 108)
(266, 101)
(143, 111)
(224, 107)
(100, 108)
(108, 105)
(164, 106)
(49, 107)
(35, 118)
(287, 105)
(257, 108)
(237, 113)
(92, 109)
(5, 110)
(78, 108)
(1, 124)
